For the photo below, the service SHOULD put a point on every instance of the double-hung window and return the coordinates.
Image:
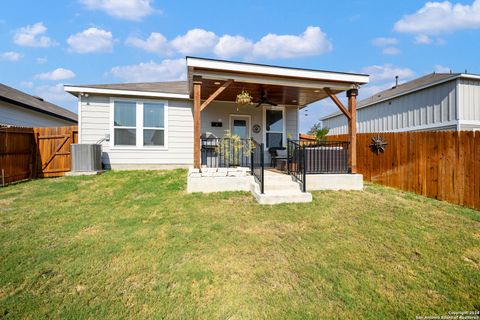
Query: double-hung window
(274, 128)
(153, 124)
(125, 123)
(140, 124)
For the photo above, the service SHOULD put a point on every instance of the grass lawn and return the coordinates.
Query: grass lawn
(135, 245)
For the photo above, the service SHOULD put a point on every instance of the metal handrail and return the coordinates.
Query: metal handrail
(258, 164)
(296, 167)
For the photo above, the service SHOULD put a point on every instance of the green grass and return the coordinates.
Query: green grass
(126, 245)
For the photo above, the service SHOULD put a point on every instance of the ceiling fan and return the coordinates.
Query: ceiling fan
(264, 100)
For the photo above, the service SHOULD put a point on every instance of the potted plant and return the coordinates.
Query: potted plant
(231, 148)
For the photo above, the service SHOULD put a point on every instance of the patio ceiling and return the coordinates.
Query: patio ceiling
(284, 86)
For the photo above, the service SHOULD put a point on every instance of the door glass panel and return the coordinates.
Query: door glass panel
(274, 139)
(274, 120)
(240, 128)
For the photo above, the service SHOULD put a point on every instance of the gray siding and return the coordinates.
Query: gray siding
(95, 124)
(434, 108)
(469, 97)
(18, 116)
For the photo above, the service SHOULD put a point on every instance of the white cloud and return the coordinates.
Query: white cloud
(55, 94)
(155, 43)
(57, 74)
(387, 72)
(33, 36)
(381, 41)
(42, 60)
(441, 69)
(233, 46)
(422, 39)
(91, 40)
(10, 56)
(123, 9)
(441, 17)
(392, 51)
(167, 70)
(311, 42)
(195, 41)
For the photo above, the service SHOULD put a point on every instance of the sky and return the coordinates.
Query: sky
(46, 44)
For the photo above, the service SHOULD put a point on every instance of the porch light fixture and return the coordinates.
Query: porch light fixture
(216, 83)
(244, 98)
(316, 91)
(294, 101)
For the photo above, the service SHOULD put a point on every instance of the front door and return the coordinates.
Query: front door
(240, 126)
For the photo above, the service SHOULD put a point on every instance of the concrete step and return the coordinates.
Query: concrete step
(271, 197)
(282, 186)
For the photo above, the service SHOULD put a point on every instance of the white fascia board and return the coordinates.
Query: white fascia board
(74, 89)
(276, 71)
(469, 76)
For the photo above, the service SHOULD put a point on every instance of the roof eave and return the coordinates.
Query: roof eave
(77, 90)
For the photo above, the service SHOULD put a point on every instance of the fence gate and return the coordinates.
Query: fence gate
(53, 150)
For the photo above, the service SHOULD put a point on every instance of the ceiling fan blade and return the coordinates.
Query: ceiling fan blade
(271, 103)
(259, 104)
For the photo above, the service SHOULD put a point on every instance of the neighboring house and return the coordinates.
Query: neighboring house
(20, 109)
(163, 124)
(437, 101)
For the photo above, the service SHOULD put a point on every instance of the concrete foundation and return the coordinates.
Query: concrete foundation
(219, 180)
(334, 182)
(82, 173)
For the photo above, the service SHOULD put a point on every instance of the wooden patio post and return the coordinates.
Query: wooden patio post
(352, 128)
(197, 93)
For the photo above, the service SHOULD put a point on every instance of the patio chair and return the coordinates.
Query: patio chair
(277, 153)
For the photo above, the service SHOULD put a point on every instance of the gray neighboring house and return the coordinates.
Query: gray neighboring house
(20, 109)
(437, 101)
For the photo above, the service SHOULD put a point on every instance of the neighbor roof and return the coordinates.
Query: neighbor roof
(426, 81)
(19, 98)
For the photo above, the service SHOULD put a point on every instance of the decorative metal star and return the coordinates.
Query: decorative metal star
(378, 144)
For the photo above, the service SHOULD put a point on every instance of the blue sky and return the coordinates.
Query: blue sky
(45, 44)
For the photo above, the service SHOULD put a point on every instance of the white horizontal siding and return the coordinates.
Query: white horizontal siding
(19, 116)
(431, 108)
(95, 125)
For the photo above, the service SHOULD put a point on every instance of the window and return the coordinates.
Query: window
(139, 124)
(124, 123)
(274, 128)
(153, 124)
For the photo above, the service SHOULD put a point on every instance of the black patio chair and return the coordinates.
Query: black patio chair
(275, 155)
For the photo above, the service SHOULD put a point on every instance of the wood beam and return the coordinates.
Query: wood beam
(337, 102)
(197, 94)
(352, 128)
(215, 94)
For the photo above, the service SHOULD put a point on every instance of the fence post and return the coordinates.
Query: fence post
(252, 151)
(262, 187)
(288, 156)
(304, 152)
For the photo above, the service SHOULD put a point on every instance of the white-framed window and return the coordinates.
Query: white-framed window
(274, 124)
(138, 124)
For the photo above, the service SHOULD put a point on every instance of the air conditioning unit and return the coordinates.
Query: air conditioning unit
(86, 157)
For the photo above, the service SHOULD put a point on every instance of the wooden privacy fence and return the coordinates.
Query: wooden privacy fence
(444, 165)
(27, 153)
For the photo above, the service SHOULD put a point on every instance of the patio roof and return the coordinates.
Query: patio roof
(281, 85)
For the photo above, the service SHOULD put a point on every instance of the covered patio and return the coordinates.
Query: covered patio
(215, 84)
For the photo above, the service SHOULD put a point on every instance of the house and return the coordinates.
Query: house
(20, 109)
(179, 124)
(437, 101)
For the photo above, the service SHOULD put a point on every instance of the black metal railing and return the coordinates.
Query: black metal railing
(296, 162)
(225, 152)
(257, 164)
(327, 157)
